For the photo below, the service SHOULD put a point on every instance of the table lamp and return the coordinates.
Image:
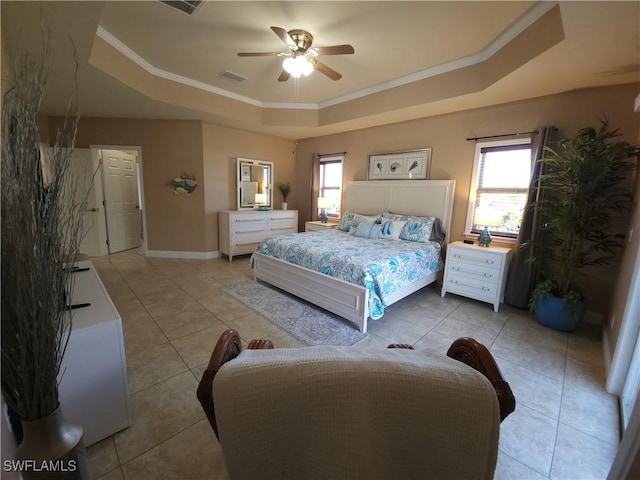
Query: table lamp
(260, 200)
(323, 204)
(487, 217)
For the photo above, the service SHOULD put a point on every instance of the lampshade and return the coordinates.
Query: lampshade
(324, 202)
(297, 65)
(488, 217)
(261, 198)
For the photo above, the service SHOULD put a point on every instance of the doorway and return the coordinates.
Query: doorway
(123, 212)
(115, 216)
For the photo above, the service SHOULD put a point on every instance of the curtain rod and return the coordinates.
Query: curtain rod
(475, 139)
(320, 155)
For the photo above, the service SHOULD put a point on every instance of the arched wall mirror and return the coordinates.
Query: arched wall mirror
(255, 184)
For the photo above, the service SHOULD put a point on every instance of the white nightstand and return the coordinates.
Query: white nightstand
(476, 272)
(318, 225)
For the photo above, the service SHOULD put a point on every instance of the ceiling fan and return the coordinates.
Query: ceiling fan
(301, 60)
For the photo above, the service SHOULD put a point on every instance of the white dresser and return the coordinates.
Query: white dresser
(476, 272)
(240, 231)
(93, 377)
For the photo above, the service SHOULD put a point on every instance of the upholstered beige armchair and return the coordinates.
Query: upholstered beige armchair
(355, 412)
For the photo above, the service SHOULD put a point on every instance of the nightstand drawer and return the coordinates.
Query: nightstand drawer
(473, 272)
(473, 288)
(479, 258)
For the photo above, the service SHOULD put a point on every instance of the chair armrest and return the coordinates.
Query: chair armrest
(227, 348)
(476, 355)
(260, 345)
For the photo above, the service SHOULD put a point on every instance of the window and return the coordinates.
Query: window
(330, 182)
(500, 183)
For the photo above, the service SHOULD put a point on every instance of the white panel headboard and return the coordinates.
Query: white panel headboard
(412, 197)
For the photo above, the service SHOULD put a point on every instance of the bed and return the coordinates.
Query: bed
(353, 301)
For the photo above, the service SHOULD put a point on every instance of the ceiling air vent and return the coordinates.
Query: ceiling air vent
(236, 77)
(185, 6)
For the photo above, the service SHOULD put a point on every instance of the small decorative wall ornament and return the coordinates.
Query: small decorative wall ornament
(185, 184)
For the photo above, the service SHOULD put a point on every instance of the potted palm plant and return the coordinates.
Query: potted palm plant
(42, 209)
(585, 181)
(285, 190)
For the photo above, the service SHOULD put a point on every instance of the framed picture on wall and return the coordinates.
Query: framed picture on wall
(409, 165)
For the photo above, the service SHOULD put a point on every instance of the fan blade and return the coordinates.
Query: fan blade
(284, 36)
(322, 68)
(335, 50)
(262, 54)
(284, 76)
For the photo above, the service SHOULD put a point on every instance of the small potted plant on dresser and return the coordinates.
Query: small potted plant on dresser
(285, 190)
(584, 182)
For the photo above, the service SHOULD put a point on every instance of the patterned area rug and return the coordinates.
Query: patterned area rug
(308, 323)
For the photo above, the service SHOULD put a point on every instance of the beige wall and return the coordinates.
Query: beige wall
(169, 147)
(624, 274)
(221, 146)
(453, 155)
(178, 223)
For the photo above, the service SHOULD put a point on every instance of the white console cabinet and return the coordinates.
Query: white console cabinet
(476, 272)
(240, 231)
(93, 377)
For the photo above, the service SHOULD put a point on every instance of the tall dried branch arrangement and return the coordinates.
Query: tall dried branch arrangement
(42, 210)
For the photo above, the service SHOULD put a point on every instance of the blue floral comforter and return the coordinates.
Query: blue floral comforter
(381, 266)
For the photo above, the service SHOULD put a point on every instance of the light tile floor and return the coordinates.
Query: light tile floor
(565, 425)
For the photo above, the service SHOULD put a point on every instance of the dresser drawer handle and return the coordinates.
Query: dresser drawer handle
(484, 289)
(474, 259)
(243, 244)
(470, 272)
(250, 231)
(282, 228)
(237, 220)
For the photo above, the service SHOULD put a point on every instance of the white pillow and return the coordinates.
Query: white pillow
(391, 229)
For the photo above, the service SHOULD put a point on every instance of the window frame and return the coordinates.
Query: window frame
(334, 159)
(473, 187)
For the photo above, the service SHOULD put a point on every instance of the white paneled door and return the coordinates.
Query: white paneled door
(85, 167)
(124, 222)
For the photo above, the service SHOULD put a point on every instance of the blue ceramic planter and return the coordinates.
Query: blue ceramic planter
(551, 312)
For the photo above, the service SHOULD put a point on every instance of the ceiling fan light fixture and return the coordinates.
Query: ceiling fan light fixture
(305, 67)
(297, 66)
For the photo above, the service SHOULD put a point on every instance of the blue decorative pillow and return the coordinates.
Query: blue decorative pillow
(368, 230)
(351, 219)
(418, 229)
(395, 216)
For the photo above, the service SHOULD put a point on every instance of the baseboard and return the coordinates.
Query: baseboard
(187, 255)
(594, 318)
(606, 353)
